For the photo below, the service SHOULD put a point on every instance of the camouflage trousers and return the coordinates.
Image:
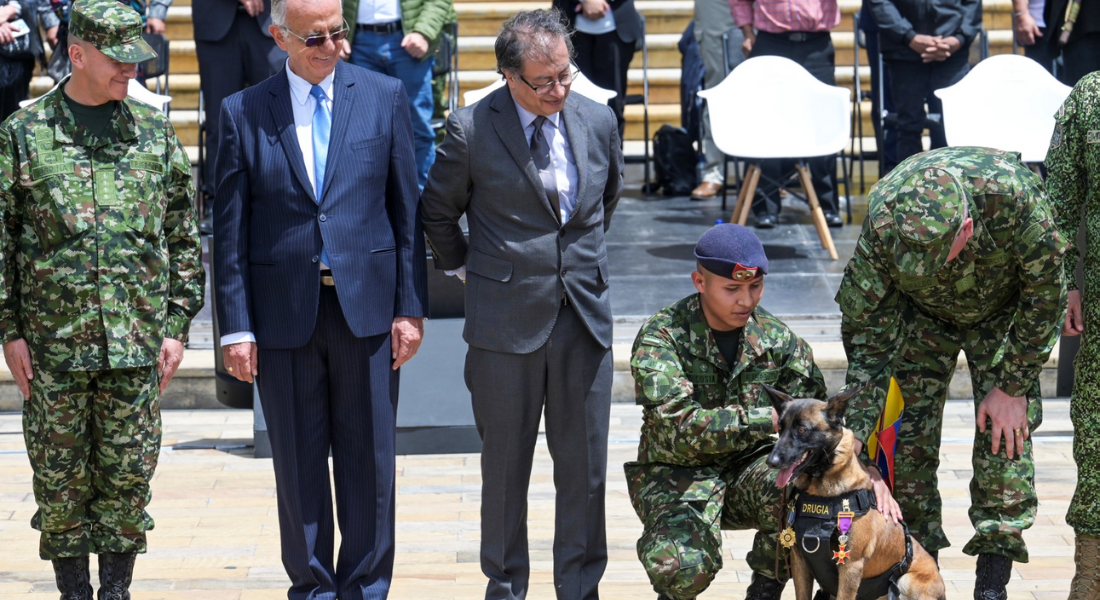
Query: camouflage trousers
(92, 438)
(1002, 491)
(684, 510)
(1084, 410)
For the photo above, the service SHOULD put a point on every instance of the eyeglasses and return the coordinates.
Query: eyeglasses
(315, 41)
(543, 89)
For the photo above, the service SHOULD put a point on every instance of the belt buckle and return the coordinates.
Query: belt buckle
(798, 36)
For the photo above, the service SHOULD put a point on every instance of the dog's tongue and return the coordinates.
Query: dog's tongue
(784, 476)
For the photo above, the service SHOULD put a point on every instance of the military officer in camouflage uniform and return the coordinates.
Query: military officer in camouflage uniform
(1073, 164)
(100, 276)
(958, 252)
(698, 367)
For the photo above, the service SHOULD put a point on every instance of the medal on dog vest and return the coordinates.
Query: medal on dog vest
(787, 537)
(843, 524)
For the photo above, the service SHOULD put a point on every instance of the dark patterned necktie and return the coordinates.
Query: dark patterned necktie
(540, 153)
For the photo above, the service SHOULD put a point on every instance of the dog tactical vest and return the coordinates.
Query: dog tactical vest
(814, 520)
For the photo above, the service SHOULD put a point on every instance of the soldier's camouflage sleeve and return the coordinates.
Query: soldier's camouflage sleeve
(679, 423)
(1039, 248)
(188, 278)
(799, 376)
(1066, 166)
(10, 210)
(872, 328)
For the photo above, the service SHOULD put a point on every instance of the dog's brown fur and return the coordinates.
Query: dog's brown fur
(876, 544)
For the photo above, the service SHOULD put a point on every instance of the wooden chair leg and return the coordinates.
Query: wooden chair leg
(816, 212)
(752, 178)
(741, 193)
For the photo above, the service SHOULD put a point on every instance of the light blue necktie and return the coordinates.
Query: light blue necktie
(322, 126)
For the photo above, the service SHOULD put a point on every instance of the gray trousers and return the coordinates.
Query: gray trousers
(569, 378)
(712, 19)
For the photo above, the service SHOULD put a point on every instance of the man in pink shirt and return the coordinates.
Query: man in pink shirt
(798, 30)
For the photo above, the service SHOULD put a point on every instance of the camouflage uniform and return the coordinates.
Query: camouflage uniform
(101, 261)
(707, 431)
(907, 314)
(1074, 165)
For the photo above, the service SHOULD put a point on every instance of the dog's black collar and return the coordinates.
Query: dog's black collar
(816, 536)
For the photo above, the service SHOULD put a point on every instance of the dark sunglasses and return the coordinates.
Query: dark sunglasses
(314, 41)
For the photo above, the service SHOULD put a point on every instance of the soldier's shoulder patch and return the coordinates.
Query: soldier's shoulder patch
(1056, 137)
(656, 386)
(851, 301)
(1093, 136)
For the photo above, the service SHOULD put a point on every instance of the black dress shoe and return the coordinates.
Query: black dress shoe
(833, 220)
(765, 221)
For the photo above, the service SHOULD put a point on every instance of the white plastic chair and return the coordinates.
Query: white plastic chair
(771, 107)
(1006, 102)
(135, 90)
(581, 85)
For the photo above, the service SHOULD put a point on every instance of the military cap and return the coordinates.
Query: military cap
(112, 28)
(929, 209)
(732, 251)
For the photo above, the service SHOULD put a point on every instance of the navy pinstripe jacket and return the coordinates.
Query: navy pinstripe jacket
(268, 228)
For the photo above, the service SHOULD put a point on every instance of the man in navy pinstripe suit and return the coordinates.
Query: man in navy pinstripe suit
(321, 291)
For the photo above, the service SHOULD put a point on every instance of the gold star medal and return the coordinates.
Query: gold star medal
(786, 537)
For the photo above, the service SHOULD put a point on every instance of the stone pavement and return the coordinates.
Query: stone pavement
(217, 530)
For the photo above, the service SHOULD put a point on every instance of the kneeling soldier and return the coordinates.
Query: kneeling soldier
(699, 367)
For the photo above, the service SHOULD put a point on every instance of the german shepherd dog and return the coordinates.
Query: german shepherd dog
(817, 453)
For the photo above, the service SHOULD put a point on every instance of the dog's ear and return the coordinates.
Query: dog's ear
(838, 404)
(779, 399)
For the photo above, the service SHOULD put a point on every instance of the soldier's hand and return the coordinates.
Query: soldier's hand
(18, 358)
(405, 336)
(6, 34)
(51, 36)
(171, 355)
(1075, 323)
(1008, 415)
(240, 360)
(156, 26)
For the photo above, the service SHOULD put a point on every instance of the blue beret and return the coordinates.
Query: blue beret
(732, 251)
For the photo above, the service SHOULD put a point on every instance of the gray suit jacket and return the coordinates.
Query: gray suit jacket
(520, 261)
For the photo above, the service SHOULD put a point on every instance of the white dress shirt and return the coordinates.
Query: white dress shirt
(303, 104)
(378, 11)
(561, 156)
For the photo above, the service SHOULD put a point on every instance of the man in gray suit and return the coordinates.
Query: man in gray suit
(538, 172)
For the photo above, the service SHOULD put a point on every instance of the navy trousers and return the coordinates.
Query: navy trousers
(337, 394)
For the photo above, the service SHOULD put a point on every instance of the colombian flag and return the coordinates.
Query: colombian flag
(884, 440)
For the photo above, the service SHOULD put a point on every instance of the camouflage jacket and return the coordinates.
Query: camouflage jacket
(1012, 262)
(101, 254)
(700, 410)
(1073, 164)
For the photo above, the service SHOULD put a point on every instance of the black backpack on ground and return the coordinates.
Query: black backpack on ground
(675, 159)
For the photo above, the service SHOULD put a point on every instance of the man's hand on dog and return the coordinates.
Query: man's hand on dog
(1009, 417)
(883, 497)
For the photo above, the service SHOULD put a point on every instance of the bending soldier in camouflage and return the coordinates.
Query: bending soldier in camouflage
(100, 276)
(1073, 162)
(698, 367)
(958, 252)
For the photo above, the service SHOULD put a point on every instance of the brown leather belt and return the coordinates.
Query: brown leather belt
(327, 278)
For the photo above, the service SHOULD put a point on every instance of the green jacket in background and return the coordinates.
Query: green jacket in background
(101, 257)
(426, 17)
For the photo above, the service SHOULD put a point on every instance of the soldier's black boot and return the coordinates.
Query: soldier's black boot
(73, 578)
(764, 588)
(116, 571)
(993, 573)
